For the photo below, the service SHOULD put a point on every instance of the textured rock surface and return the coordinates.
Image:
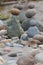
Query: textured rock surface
(14, 28)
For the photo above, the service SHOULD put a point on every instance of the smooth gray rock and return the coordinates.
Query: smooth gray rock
(32, 31)
(28, 23)
(30, 13)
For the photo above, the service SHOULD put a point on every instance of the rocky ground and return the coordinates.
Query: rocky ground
(21, 34)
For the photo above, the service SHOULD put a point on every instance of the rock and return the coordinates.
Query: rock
(24, 37)
(39, 64)
(26, 60)
(12, 55)
(20, 7)
(38, 37)
(39, 58)
(15, 11)
(2, 26)
(32, 31)
(14, 25)
(28, 23)
(3, 32)
(1, 61)
(30, 13)
(7, 49)
(31, 5)
(4, 16)
(22, 16)
(2, 45)
(25, 43)
(6, 41)
(34, 43)
(41, 47)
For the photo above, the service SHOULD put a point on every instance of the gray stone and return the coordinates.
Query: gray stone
(22, 16)
(13, 27)
(30, 13)
(24, 37)
(32, 31)
(28, 23)
(31, 5)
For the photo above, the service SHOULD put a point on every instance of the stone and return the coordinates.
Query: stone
(39, 63)
(25, 43)
(26, 60)
(12, 55)
(15, 11)
(28, 23)
(34, 43)
(30, 13)
(2, 61)
(15, 26)
(31, 5)
(32, 31)
(22, 16)
(18, 6)
(24, 37)
(39, 57)
(38, 37)
(7, 49)
(6, 41)
(3, 32)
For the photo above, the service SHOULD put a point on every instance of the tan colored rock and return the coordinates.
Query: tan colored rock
(15, 11)
(6, 40)
(25, 43)
(26, 60)
(34, 42)
(38, 37)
